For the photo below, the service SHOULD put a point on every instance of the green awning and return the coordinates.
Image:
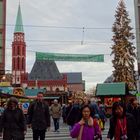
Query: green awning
(111, 89)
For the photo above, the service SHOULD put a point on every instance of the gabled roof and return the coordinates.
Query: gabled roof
(19, 24)
(111, 89)
(74, 77)
(44, 70)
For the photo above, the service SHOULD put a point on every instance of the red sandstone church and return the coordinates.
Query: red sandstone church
(44, 74)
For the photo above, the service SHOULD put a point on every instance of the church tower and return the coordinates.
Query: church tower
(18, 52)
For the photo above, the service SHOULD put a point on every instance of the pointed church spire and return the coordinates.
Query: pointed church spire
(19, 24)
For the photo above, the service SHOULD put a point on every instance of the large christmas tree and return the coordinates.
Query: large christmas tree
(123, 48)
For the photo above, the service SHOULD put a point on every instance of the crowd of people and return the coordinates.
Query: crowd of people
(85, 117)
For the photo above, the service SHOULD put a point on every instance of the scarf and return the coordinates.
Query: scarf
(121, 128)
(89, 123)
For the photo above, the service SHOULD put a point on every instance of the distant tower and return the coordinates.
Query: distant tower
(18, 52)
(2, 36)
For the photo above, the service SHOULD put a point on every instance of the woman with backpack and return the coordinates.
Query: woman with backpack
(86, 128)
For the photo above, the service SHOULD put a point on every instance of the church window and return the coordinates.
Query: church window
(13, 63)
(22, 63)
(18, 79)
(23, 50)
(18, 50)
(18, 63)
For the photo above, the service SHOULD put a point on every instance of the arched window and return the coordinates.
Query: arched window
(57, 90)
(23, 65)
(23, 50)
(18, 50)
(14, 64)
(17, 79)
(18, 63)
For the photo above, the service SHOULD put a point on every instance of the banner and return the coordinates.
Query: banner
(70, 57)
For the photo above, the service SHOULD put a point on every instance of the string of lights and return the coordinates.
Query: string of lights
(33, 51)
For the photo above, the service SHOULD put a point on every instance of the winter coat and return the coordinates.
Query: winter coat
(55, 110)
(13, 123)
(94, 108)
(102, 114)
(38, 115)
(88, 131)
(73, 114)
(131, 127)
(136, 113)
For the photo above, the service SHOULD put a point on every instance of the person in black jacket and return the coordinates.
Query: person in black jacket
(13, 124)
(39, 117)
(122, 124)
(135, 111)
(73, 114)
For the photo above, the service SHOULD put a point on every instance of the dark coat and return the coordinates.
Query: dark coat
(136, 113)
(131, 127)
(13, 124)
(73, 114)
(38, 115)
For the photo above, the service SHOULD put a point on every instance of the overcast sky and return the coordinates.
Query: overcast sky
(57, 26)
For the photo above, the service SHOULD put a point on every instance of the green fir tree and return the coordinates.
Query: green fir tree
(123, 49)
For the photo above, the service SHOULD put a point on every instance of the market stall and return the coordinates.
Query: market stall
(111, 92)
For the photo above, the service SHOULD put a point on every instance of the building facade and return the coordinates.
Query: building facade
(44, 74)
(75, 82)
(2, 36)
(18, 52)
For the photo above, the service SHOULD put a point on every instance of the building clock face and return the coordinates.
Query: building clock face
(18, 38)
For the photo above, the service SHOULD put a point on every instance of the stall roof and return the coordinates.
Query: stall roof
(111, 89)
(53, 97)
(33, 92)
